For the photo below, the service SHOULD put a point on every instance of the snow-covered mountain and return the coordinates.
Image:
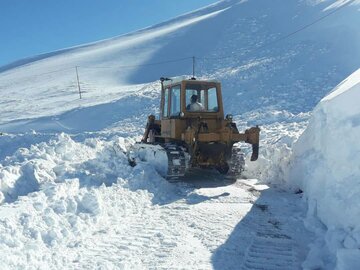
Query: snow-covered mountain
(69, 197)
(234, 41)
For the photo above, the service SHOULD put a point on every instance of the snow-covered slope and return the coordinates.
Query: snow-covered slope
(325, 164)
(232, 40)
(68, 198)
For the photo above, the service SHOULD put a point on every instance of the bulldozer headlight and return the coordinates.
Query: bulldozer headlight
(229, 117)
(182, 114)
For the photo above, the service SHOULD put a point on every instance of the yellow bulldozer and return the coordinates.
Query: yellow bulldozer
(193, 132)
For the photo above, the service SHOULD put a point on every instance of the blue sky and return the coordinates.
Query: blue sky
(29, 28)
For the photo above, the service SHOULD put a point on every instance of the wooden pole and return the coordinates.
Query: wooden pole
(78, 82)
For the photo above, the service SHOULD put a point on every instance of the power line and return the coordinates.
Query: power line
(54, 71)
(112, 67)
(287, 35)
(209, 58)
(307, 25)
(140, 65)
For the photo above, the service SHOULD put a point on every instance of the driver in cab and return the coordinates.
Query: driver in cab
(195, 105)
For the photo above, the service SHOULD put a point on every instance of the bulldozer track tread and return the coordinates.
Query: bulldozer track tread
(237, 162)
(176, 162)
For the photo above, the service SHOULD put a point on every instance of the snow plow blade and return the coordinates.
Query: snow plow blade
(169, 160)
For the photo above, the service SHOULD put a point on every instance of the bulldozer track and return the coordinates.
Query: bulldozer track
(237, 162)
(176, 162)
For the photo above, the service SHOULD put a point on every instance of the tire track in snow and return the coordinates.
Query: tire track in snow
(156, 239)
(165, 236)
(268, 236)
(133, 232)
(270, 253)
(271, 248)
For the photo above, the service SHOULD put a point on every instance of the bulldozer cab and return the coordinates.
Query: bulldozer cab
(191, 99)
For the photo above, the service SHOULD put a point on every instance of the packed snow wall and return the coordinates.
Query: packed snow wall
(326, 165)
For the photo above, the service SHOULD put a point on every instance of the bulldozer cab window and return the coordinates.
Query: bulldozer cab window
(212, 105)
(195, 99)
(165, 112)
(201, 98)
(175, 108)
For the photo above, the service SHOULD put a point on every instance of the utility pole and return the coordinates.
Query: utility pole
(193, 59)
(78, 82)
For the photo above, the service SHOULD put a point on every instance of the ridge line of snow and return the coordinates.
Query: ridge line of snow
(191, 16)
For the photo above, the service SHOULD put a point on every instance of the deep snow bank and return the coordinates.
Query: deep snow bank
(326, 165)
(279, 131)
(93, 163)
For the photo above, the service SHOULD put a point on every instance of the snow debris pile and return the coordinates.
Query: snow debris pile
(93, 163)
(279, 131)
(56, 194)
(325, 164)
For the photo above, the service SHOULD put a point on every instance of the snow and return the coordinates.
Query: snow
(89, 202)
(325, 164)
(229, 52)
(153, 155)
(69, 198)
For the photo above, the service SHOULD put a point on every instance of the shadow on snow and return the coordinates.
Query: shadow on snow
(270, 236)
